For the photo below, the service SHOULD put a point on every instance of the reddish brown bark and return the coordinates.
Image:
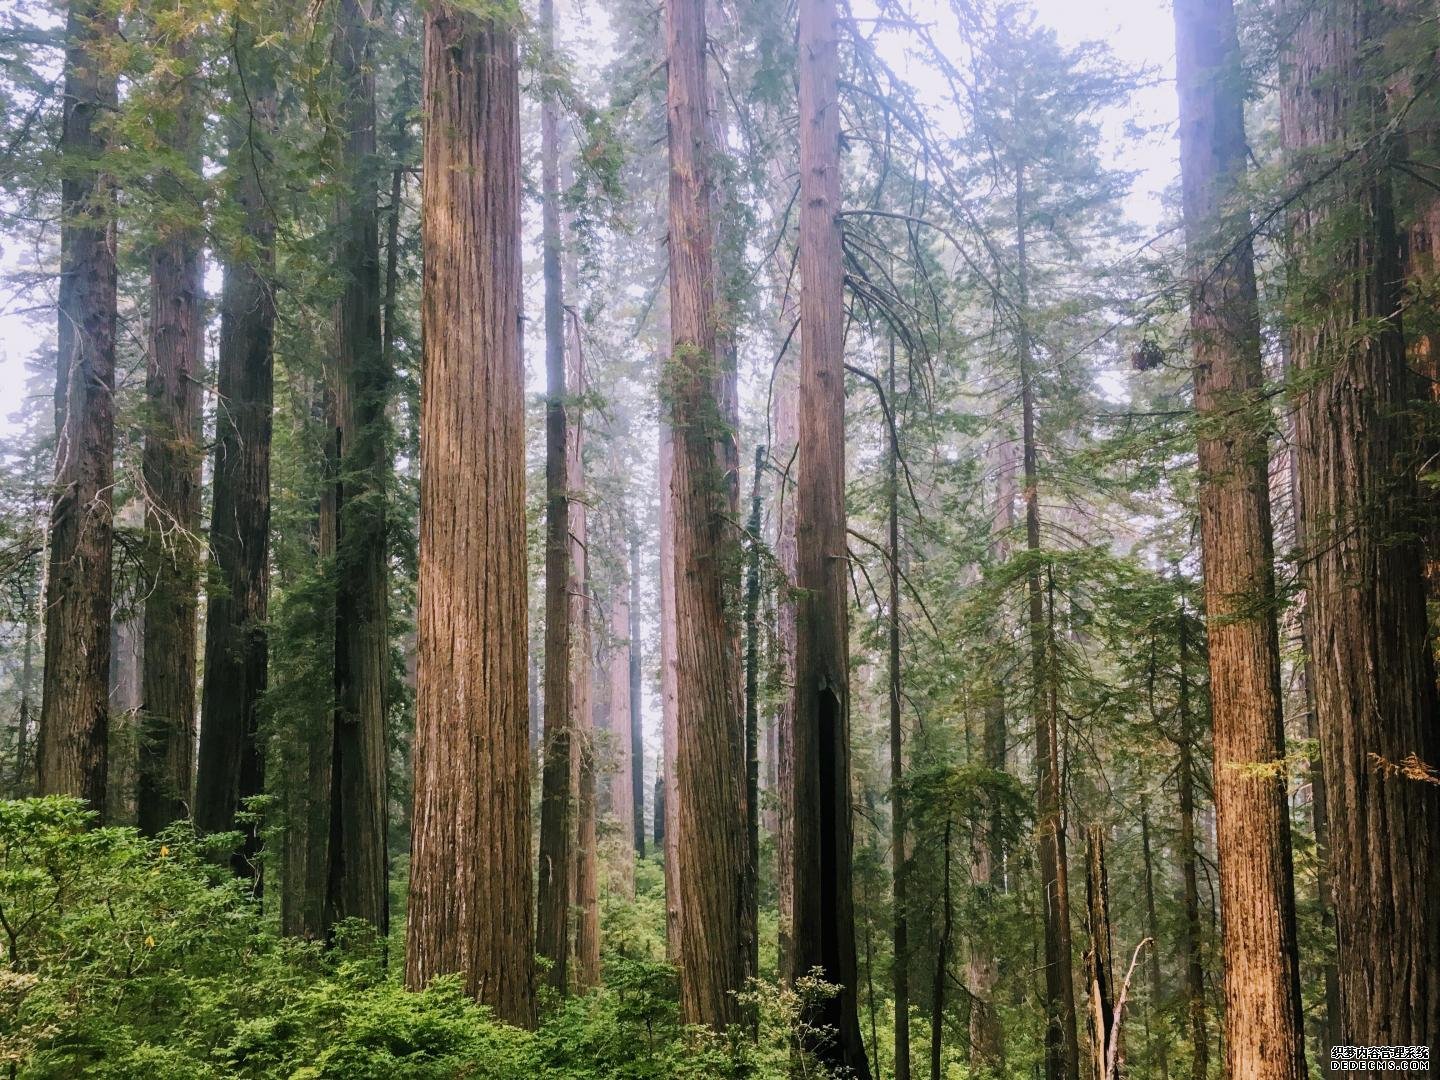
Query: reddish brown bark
(74, 709)
(231, 759)
(1374, 671)
(1263, 1020)
(716, 923)
(823, 905)
(470, 895)
(358, 882)
(171, 470)
(553, 905)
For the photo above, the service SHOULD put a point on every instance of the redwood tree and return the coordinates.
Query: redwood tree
(1374, 671)
(553, 908)
(358, 882)
(823, 918)
(231, 761)
(74, 709)
(470, 895)
(1263, 1019)
(171, 469)
(716, 922)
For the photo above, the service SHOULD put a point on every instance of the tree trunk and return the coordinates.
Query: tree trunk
(716, 923)
(1263, 1019)
(823, 905)
(1374, 671)
(585, 867)
(1156, 1053)
(358, 885)
(171, 469)
(752, 696)
(553, 908)
(622, 780)
(900, 930)
(667, 809)
(1062, 1049)
(1194, 965)
(942, 957)
(636, 749)
(470, 895)
(231, 760)
(1099, 963)
(74, 708)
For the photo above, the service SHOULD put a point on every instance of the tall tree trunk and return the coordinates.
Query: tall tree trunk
(900, 929)
(358, 885)
(470, 895)
(987, 1038)
(553, 908)
(1194, 965)
(1099, 963)
(1374, 671)
(171, 469)
(636, 749)
(667, 809)
(783, 453)
(231, 759)
(752, 697)
(1329, 1033)
(74, 708)
(942, 960)
(622, 781)
(1062, 1049)
(1264, 1027)
(823, 903)
(1156, 1053)
(716, 923)
(585, 867)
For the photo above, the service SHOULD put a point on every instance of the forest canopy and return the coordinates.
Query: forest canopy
(888, 539)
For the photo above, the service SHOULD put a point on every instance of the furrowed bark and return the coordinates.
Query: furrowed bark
(823, 905)
(232, 760)
(1264, 1029)
(470, 894)
(74, 707)
(170, 466)
(1374, 670)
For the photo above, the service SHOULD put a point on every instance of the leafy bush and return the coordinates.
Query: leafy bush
(138, 959)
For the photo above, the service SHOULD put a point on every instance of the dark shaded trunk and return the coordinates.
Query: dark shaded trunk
(170, 466)
(667, 810)
(752, 694)
(470, 880)
(553, 906)
(1263, 1018)
(637, 728)
(1156, 1053)
(900, 928)
(74, 707)
(1194, 964)
(823, 917)
(232, 760)
(1062, 1048)
(1099, 963)
(942, 959)
(358, 885)
(716, 922)
(1374, 670)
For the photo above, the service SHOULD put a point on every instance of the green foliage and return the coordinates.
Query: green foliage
(146, 959)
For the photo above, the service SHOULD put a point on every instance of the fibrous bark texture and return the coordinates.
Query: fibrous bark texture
(470, 893)
(716, 923)
(1374, 671)
(231, 761)
(823, 919)
(74, 709)
(1263, 1020)
(171, 470)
